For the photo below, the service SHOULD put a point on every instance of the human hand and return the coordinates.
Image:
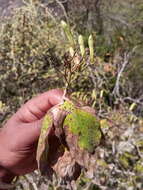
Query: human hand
(19, 136)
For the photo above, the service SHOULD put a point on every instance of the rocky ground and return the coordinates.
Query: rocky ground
(6, 6)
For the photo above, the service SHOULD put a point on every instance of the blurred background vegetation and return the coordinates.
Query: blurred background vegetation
(34, 49)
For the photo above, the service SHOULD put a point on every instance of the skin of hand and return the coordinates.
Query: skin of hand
(19, 136)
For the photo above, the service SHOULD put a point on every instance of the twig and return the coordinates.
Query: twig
(117, 19)
(49, 13)
(92, 77)
(31, 181)
(116, 90)
(63, 9)
(91, 74)
(137, 101)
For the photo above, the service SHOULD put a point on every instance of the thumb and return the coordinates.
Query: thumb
(29, 133)
(24, 134)
(37, 107)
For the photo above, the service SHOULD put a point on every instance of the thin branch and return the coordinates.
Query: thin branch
(30, 180)
(91, 74)
(117, 19)
(63, 9)
(116, 90)
(117, 84)
(137, 101)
